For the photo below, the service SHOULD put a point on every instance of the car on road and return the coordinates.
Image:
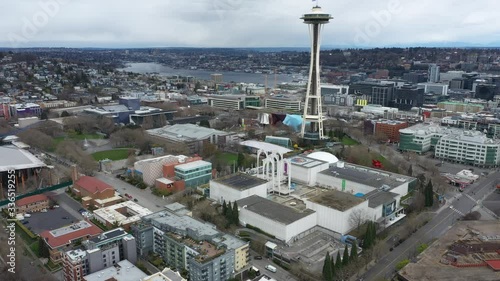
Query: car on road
(135, 200)
(27, 215)
(271, 268)
(65, 218)
(257, 257)
(25, 222)
(44, 211)
(56, 206)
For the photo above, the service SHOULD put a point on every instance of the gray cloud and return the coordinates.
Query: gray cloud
(245, 23)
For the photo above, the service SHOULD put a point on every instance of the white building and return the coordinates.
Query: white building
(378, 110)
(305, 170)
(123, 214)
(436, 88)
(237, 186)
(283, 104)
(433, 73)
(152, 169)
(122, 271)
(283, 222)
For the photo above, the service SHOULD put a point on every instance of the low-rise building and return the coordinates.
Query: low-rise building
(123, 214)
(61, 239)
(31, 204)
(95, 192)
(121, 271)
(165, 275)
(283, 104)
(237, 186)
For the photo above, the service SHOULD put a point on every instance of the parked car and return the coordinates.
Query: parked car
(56, 206)
(44, 211)
(25, 222)
(135, 200)
(257, 257)
(65, 218)
(27, 215)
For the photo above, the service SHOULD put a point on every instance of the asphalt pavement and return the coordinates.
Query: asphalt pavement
(279, 275)
(442, 221)
(144, 196)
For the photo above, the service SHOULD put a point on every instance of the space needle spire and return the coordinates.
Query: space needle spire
(313, 113)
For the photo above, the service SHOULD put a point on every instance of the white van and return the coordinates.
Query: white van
(27, 215)
(271, 268)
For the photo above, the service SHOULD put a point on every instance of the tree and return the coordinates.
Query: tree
(354, 252)
(338, 262)
(224, 208)
(251, 133)
(429, 194)
(44, 115)
(205, 123)
(209, 149)
(43, 250)
(229, 213)
(345, 258)
(370, 235)
(241, 160)
(65, 114)
(235, 216)
(357, 218)
(410, 171)
(327, 268)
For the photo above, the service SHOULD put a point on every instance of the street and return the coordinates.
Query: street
(144, 196)
(448, 214)
(280, 275)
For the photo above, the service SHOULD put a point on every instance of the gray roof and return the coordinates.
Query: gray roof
(185, 132)
(379, 197)
(180, 224)
(273, 210)
(306, 162)
(15, 158)
(122, 271)
(367, 176)
(240, 181)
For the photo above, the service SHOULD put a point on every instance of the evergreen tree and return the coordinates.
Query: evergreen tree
(354, 251)
(235, 215)
(410, 171)
(367, 242)
(327, 268)
(229, 213)
(429, 194)
(241, 160)
(334, 268)
(338, 262)
(224, 208)
(205, 123)
(345, 258)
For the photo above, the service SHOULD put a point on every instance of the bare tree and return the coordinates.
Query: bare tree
(37, 139)
(357, 218)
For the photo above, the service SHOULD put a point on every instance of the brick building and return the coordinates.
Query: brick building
(388, 127)
(95, 192)
(32, 204)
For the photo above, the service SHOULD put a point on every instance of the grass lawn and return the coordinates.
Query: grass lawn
(228, 157)
(35, 248)
(114, 154)
(348, 141)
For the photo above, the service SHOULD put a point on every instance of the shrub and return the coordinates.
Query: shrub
(402, 264)
(422, 248)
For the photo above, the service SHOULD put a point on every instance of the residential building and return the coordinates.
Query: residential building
(375, 92)
(192, 136)
(165, 275)
(227, 102)
(122, 214)
(186, 243)
(95, 192)
(62, 239)
(31, 204)
(22, 110)
(454, 106)
(121, 271)
(283, 104)
(389, 128)
(414, 77)
(98, 253)
(434, 88)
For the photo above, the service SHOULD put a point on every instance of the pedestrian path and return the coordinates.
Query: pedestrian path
(456, 211)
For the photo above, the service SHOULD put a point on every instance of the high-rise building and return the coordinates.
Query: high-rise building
(313, 112)
(433, 73)
(407, 97)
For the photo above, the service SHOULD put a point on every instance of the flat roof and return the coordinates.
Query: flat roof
(122, 271)
(337, 200)
(240, 181)
(379, 197)
(111, 213)
(108, 235)
(17, 159)
(64, 235)
(180, 224)
(265, 146)
(273, 210)
(375, 178)
(192, 165)
(306, 162)
(185, 132)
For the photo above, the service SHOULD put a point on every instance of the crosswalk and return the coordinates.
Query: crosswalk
(457, 211)
(470, 197)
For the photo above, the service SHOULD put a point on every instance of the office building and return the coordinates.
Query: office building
(284, 104)
(464, 107)
(227, 102)
(121, 271)
(434, 88)
(407, 97)
(376, 93)
(98, 253)
(194, 173)
(414, 77)
(234, 187)
(486, 91)
(452, 144)
(389, 128)
(433, 73)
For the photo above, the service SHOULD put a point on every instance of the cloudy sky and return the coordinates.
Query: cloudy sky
(246, 23)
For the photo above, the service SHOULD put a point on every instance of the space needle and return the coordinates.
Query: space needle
(313, 113)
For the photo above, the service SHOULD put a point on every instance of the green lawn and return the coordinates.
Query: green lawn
(348, 141)
(75, 136)
(114, 154)
(228, 158)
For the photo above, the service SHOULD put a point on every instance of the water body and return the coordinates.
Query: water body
(256, 78)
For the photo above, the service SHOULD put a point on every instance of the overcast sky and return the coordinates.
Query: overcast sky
(246, 23)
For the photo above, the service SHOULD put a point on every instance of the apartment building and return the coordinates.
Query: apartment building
(32, 204)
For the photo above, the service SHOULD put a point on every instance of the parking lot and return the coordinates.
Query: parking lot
(52, 219)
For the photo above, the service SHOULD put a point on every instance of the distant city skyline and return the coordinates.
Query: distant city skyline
(247, 24)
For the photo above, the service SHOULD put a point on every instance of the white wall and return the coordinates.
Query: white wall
(307, 175)
(401, 190)
(336, 220)
(221, 192)
(331, 181)
(300, 226)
